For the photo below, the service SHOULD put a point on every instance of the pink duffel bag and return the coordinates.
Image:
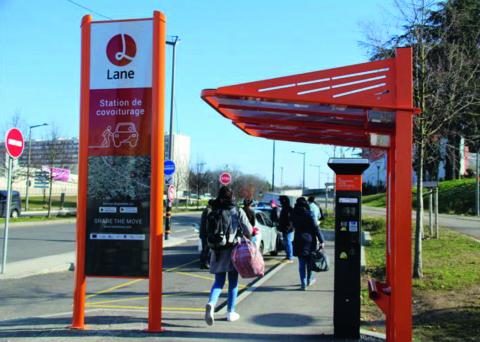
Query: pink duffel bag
(247, 259)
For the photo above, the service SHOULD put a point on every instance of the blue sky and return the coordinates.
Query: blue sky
(222, 43)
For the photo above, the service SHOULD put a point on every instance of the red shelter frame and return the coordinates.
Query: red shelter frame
(366, 105)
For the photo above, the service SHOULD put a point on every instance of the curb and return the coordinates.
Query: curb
(40, 223)
(372, 335)
(54, 263)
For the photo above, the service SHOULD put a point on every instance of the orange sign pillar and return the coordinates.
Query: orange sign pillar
(108, 77)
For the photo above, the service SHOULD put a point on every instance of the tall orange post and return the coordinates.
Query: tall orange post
(78, 321)
(400, 319)
(157, 180)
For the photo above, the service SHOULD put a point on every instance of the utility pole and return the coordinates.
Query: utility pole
(478, 181)
(273, 168)
(170, 136)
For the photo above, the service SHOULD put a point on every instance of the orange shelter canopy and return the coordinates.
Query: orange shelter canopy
(364, 105)
(347, 106)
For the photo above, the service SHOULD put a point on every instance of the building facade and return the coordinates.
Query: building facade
(181, 158)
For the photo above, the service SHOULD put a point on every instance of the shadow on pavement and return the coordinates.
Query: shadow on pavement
(282, 320)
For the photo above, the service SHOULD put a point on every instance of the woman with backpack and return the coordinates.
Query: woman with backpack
(305, 240)
(220, 260)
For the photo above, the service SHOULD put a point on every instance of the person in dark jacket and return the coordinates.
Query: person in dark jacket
(305, 240)
(204, 254)
(285, 226)
(247, 208)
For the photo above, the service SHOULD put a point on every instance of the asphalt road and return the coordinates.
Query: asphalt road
(33, 240)
(463, 224)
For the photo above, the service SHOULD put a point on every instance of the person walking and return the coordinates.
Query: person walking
(285, 226)
(204, 253)
(305, 240)
(275, 213)
(247, 208)
(315, 210)
(220, 258)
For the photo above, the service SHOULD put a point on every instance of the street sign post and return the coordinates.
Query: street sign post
(225, 178)
(14, 144)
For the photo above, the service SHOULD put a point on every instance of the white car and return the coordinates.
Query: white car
(267, 239)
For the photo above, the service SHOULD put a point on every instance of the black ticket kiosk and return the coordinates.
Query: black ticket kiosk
(348, 200)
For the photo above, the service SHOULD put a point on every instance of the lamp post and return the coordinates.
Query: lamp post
(174, 42)
(273, 168)
(199, 165)
(28, 159)
(303, 182)
(318, 167)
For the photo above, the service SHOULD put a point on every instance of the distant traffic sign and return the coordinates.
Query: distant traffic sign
(171, 193)
(14, 143)
(169, 167)
(225, 178)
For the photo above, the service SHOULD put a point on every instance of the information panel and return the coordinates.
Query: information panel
(119, 164)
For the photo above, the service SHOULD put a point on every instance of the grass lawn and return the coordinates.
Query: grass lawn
(446, 302)
(37, 202)
(454, 197)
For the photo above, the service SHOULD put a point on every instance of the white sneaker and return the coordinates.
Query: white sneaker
(209, 314)
(232, 316)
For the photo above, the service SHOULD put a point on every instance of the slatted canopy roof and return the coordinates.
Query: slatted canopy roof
(347, 106)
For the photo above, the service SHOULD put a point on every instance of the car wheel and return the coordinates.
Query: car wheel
(262, 248)
(274, 253)
(14, 214)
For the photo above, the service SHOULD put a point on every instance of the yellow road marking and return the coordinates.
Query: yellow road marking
(110, 289)
(182, 265)
(166, 308)
(118, 300)
(119, 286)
(195, 275)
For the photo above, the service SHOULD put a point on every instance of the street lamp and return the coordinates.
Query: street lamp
(273, 168)
(318, 167)
(303, 183)
(174, 42)
(28, 159)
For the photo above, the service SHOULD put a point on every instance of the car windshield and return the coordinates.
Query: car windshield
(260, 218)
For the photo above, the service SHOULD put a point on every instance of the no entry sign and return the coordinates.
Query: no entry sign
(225, 178)
(171, 193)
(14, 143)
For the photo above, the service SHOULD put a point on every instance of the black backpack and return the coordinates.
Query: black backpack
(222, 225)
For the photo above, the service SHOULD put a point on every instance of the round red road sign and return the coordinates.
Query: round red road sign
(171, 193)
(14, 143)
(225, 178)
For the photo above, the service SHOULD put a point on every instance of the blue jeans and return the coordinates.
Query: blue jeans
(288, 239)
(304, 270)
(232, 289)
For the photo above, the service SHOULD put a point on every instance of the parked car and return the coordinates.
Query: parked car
(268, 240)
(15, 205)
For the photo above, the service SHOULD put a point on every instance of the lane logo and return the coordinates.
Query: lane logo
(121, 49)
